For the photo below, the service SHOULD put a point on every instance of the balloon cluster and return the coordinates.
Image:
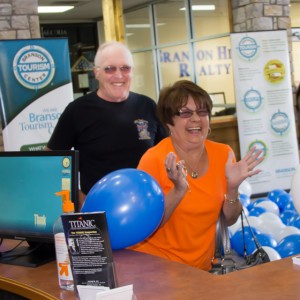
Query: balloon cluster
(274, 220)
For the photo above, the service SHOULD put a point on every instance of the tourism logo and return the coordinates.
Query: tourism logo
(33, 67)
(252, 100)
(280, 122)
(259, 145)
(248, 48)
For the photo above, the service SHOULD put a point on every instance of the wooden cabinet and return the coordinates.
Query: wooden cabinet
(224, 129)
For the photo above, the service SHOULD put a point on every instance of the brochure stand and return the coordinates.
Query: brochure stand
(89, 249)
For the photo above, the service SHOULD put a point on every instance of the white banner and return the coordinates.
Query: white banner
(264, 103)
(35, 87)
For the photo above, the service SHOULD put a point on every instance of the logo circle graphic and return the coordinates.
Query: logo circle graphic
(33, 67)
(248, 47)
(252, 100)
(280, 123)
(274, 71)
(259, 145)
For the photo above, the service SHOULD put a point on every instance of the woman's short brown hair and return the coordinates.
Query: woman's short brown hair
(173, 98)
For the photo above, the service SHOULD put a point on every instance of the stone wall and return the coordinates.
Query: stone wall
(257, 15)
(18, 20)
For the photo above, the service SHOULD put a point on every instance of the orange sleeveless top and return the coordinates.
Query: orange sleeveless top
(189, 235)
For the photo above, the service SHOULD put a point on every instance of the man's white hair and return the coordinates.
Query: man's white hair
(113, 44)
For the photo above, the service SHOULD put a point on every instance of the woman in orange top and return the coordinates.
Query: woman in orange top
(198, 177)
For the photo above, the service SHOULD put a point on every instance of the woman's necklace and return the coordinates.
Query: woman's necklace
(194, 173)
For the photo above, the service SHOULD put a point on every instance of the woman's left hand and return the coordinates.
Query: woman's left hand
(237, 172)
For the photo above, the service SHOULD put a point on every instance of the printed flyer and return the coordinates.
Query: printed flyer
(264, 103)
(35, 87)
(89, 249)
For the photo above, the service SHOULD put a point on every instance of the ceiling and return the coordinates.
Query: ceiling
(84, 10)
(91, 10)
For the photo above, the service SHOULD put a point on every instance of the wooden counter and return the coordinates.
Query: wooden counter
(159, 279)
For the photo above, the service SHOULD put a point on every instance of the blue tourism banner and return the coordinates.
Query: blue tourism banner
(35, 87)
(264, 103)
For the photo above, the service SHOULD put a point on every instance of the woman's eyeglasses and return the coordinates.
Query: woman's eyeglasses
(187, 113)
(113, 69)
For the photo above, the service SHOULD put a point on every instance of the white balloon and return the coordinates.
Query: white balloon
(288, 230)
(270, 206)
(269, 217)
(295, 189)
(245, 188)
(254, 222)
(271, 224)
(272, 253)
(270, 228)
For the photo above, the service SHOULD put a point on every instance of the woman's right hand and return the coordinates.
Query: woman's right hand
(176, 172)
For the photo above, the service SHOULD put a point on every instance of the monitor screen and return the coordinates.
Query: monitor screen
(29, 206)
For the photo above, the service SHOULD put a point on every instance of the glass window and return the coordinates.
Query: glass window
(210, 17)
(171, 22)
(138, 29)
(144, 75)
(174, 41)
(174, 64)
(214, 67)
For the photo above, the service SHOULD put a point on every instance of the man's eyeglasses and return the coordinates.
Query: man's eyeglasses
(113, 69)
(187, 113)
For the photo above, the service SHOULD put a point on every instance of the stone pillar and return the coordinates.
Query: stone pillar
(18, 20)
(257, 15)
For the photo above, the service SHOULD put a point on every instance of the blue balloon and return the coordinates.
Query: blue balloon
(133, 202)
(257, 211)
(297, 222)
(237, 242)
(290, 245)
(238, 239)
(282, 200)
(274, 193)
(245, 200)
(288, 217)
(290, 206)
(266, 240)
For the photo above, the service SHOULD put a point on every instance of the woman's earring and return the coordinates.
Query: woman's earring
(209, 131)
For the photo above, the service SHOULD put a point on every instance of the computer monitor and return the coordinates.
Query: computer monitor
(28, 204)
